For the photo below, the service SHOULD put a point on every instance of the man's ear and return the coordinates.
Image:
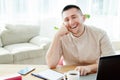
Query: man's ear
(84, 18)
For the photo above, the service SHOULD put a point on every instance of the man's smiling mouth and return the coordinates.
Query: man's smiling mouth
(73, 27)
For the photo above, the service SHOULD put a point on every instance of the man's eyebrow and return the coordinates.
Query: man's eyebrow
(74, 15)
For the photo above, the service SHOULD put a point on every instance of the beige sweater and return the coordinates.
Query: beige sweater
(87, 48)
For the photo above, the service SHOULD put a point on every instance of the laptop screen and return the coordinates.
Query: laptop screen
(109, 68)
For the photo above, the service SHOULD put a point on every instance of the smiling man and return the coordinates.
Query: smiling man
(77, 43)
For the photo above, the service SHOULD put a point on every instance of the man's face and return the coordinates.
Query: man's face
(73, 20)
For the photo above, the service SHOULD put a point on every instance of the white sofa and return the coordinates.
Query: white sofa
(22, 44)
(116, 46)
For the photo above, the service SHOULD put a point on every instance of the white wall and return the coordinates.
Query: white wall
(109, 24)
(47, 27)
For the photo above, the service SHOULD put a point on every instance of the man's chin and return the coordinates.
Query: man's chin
(73, 32)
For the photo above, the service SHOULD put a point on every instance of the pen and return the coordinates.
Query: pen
(36, 75)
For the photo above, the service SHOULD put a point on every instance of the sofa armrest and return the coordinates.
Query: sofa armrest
(41, 42)
(116, 45)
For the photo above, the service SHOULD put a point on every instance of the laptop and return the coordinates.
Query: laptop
(109, 68)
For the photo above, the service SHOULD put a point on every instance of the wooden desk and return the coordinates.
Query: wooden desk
(6, 69)
(67, 68)
(14, 68)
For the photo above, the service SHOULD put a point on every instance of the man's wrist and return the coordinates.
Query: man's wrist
(58, 35)
(93, 68)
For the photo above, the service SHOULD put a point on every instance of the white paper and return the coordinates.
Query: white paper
(51, 74)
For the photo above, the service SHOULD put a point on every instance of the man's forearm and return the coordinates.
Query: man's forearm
(53, 54)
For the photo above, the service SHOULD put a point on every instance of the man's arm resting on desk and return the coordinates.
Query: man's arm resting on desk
(53, 55)
(84, 70)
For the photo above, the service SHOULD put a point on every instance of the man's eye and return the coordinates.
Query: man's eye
(66, 20)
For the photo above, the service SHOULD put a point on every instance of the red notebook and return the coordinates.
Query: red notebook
(11, 77)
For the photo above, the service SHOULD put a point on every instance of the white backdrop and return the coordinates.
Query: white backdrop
(47, 13)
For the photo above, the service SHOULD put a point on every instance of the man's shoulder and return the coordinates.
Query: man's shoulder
(94, 29)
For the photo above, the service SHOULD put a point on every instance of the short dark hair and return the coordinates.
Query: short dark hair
(71, 6)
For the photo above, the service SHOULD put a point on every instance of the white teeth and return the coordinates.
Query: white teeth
(73, 26)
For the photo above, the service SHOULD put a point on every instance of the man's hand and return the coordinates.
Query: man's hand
(84, 70)
(63, 30)
(88, 69)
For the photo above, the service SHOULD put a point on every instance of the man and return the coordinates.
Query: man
(79, 44)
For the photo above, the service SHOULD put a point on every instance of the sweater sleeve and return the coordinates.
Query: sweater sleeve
(106, 45)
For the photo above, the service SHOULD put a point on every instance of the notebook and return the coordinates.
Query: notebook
(49, 75)
(109, 68)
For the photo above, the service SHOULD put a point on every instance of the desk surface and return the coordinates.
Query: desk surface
(6, 69)
(67, 68)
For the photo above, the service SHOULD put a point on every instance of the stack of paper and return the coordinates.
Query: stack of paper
(49, 74)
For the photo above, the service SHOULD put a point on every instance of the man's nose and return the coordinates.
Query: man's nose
(71, 22)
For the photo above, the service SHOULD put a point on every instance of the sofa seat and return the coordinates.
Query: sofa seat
(5, 56)
(24, 51)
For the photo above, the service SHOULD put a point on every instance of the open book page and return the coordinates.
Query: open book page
(50, 75)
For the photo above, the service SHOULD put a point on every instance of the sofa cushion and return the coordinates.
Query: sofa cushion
(2, 28)
(24, 51)
(5, 56)
(116, 45)
(0, 42)
(41, 41)
(0, 38)
(18, 33)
